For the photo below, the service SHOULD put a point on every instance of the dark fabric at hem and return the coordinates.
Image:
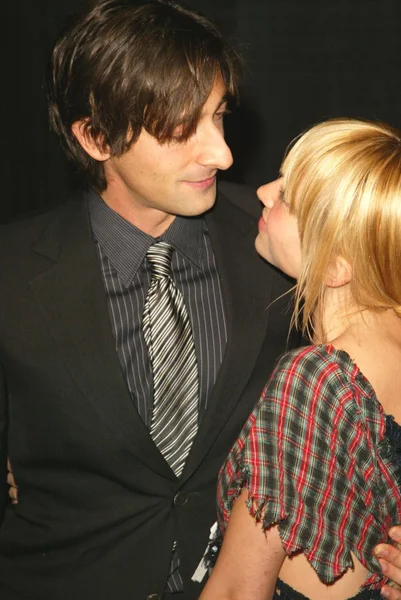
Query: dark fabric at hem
(285, 592)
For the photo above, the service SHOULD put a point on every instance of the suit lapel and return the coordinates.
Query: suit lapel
(73, 302)
(246, 294)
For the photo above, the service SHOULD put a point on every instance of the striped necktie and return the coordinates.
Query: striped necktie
(168, 336)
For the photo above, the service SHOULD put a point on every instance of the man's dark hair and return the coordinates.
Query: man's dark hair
(126, 65)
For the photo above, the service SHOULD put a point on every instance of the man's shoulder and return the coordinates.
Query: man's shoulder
(29, 225)
(18, 237)
(241, 196)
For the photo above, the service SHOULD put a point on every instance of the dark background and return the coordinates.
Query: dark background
(306, 60)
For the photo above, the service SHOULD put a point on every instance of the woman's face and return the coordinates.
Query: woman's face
(278, 238)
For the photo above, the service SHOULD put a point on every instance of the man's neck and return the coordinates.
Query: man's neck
(149, 220)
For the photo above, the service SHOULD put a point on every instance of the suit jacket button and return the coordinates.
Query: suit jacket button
(180, 498)
(153, 597)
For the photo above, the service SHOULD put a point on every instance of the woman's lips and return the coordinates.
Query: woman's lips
(262, 225)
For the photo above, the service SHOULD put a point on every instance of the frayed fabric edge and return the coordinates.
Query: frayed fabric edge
(257, 509)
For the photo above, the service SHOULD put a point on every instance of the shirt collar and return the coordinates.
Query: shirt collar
(126, 246)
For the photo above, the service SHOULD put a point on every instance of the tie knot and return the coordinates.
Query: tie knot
(159, 257)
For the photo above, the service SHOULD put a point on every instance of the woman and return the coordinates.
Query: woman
(312, 484)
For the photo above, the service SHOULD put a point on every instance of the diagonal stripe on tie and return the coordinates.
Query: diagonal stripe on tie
(168, 336)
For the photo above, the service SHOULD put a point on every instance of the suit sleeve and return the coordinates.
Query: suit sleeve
(3, 445)
(310, 464)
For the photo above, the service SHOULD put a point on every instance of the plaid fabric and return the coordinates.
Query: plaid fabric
(315, 460)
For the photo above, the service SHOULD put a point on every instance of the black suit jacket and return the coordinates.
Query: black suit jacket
(99, 508)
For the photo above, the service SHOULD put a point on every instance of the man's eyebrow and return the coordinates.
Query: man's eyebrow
(224, 99)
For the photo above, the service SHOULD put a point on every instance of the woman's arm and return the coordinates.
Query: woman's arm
(249, 560)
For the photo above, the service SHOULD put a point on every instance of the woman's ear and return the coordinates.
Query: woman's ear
(339, 272)
(82, 132)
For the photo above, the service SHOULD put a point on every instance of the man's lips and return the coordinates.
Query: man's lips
(202, 184)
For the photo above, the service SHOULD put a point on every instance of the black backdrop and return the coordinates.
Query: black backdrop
(306, 60)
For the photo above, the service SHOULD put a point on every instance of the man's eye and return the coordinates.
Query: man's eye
(220, 115)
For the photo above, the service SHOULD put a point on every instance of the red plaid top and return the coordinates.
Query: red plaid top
(314, 457)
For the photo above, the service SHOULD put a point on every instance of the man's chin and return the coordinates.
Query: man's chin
(199, 204)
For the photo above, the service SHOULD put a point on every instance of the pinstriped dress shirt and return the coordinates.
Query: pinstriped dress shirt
(126, 275)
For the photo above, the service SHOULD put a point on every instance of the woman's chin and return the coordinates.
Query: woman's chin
(263, 250)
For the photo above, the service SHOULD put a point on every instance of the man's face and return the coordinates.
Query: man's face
(152, 183)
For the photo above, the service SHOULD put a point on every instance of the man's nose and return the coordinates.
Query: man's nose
(216, 153)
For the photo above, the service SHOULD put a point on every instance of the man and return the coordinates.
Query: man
(137, 323)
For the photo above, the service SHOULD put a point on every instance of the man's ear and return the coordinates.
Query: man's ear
(82, 132)
(339, 272)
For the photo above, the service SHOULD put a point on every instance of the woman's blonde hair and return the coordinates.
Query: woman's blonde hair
(342, 181)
